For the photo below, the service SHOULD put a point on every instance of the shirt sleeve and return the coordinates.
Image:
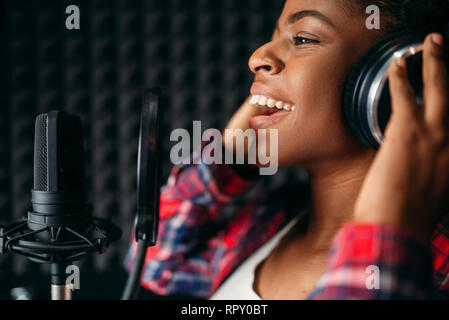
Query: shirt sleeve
(194, 231)
(370, 261)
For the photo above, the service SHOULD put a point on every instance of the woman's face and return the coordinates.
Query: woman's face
(315, 45)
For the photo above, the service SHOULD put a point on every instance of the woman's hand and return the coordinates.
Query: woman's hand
(240, 120)
(408, 182)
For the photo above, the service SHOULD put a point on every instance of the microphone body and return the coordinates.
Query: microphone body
(59, 196)
(59, 227)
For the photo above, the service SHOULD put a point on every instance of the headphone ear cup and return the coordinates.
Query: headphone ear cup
(358, 85)
(350, 107)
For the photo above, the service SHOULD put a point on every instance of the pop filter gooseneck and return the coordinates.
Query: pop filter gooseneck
(148, 187)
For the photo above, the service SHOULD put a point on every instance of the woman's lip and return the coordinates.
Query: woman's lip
(271, 111)
(264, 121)
(257, 89)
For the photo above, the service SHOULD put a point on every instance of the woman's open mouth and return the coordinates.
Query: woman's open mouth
(276, 110)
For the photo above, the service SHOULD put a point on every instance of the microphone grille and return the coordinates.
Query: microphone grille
(58, 153)
(40, 153)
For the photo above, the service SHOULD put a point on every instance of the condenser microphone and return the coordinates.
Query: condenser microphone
(59, 227)
(59, 195)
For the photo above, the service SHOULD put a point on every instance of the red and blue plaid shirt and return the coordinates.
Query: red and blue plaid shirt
(200, 243)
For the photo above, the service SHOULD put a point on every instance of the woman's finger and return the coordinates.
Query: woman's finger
(403, 97)
(436, 83)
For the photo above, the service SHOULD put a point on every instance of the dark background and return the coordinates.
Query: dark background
(197, 51)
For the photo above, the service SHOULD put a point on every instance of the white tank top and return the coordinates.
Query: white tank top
(239, 285)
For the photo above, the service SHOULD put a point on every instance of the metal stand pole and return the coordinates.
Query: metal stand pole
(59, 290)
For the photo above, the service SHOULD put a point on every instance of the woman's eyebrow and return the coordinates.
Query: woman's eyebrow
(295, 17)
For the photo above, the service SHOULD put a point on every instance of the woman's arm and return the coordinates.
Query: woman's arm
(191, 213)
(374, 261)
(199, 243)
(404, 196)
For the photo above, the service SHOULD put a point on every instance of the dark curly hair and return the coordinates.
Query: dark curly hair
(425, 16)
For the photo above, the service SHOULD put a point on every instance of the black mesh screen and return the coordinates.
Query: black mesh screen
(197, 51)
(40, 154)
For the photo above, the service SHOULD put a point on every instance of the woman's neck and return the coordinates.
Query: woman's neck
(333, 196)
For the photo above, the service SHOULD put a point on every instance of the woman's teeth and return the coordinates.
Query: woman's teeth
(270, 103)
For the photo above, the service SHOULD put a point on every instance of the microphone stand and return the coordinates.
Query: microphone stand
(59, 289)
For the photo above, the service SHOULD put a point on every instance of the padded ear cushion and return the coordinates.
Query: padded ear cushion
(358, 82)
(350, 104)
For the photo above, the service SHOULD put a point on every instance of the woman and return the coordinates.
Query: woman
(366, 209)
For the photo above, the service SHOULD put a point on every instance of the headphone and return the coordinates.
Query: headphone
(367, 103)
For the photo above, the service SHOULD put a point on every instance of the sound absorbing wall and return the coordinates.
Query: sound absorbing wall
(197, 51)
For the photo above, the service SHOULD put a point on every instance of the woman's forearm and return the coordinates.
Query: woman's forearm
(372, 261)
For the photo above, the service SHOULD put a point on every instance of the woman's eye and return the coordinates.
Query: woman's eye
(301, 40)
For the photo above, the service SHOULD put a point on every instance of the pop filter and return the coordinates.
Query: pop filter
(148, 169)
(148, 187)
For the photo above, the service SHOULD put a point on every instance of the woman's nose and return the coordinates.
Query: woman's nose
(264, 60)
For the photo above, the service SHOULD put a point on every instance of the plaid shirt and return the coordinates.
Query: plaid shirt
(200, 243)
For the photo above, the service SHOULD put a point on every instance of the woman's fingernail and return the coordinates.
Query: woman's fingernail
(438, 39)
(401, 62)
